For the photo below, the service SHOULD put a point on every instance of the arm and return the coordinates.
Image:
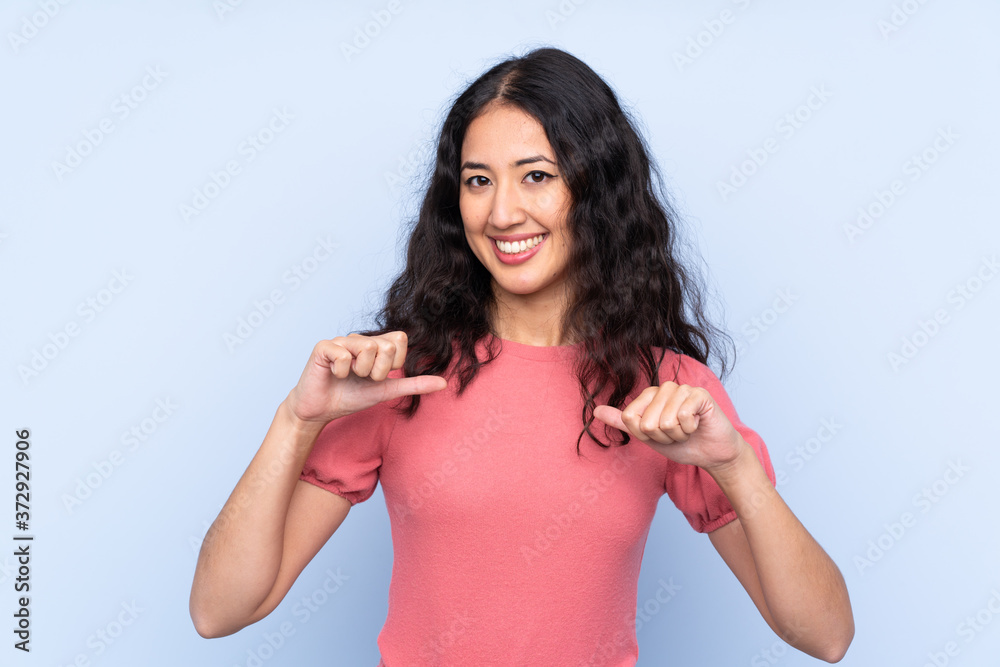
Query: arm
(795, 585)
(273, 523)
(267, 532)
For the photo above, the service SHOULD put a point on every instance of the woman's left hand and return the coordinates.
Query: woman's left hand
(681, 422)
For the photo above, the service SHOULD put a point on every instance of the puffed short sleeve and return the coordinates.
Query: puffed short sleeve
(693, 490)
(348, 453)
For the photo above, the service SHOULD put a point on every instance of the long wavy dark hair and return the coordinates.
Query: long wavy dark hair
(629, 292)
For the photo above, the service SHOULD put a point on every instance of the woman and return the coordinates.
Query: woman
(542, 308)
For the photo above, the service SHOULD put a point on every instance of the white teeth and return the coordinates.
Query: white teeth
(515, 247)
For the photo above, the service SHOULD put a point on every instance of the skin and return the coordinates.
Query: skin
(795, 585)
(273, 523)
(512, 185)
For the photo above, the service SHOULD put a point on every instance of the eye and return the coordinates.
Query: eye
(477, 181)
(538, 176)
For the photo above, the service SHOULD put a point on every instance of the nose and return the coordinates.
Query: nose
(508, 206)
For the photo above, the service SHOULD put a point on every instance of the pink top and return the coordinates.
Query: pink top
(508, 548)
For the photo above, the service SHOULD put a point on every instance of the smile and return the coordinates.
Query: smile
(515, 247)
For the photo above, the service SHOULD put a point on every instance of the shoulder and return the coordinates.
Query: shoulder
(682, 369)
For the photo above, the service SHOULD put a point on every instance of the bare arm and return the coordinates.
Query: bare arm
(273, 524)
(795, 585)
(267, 532)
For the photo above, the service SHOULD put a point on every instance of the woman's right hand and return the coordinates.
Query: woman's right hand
(349, 373)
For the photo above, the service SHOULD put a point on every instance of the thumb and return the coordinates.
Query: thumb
(419, 384)
(610, 416)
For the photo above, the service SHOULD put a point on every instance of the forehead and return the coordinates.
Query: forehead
(504, 130)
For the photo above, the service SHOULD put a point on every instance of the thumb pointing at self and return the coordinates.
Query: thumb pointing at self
(420, 384)
(610, 416)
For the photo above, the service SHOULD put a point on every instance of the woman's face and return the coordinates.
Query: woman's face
(512, 190)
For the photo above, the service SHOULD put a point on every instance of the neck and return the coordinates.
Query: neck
(533, 319)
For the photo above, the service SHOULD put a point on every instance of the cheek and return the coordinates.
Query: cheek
(554, 205)
(470, 216)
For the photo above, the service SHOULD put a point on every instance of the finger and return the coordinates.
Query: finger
(689, 413)
(420, 384)
(632, 414)
(660, 413)
(365, 351)
(669, 420)
(335, 357)
(610, 416)
(400, 341)
(385, 358)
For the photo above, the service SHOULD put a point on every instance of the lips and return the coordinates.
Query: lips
(518, 258)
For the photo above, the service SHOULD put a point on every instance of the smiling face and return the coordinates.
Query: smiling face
(512, 190)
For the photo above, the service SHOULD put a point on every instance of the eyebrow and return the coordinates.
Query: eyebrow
(521, 162)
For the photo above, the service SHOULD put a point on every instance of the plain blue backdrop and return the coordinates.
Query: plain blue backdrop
(194, 193)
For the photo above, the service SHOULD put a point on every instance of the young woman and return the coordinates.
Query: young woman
(537, 383)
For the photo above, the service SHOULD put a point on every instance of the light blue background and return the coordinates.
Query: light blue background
(348, 166)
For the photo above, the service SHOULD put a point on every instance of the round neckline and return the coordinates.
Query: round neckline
(537, 352)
